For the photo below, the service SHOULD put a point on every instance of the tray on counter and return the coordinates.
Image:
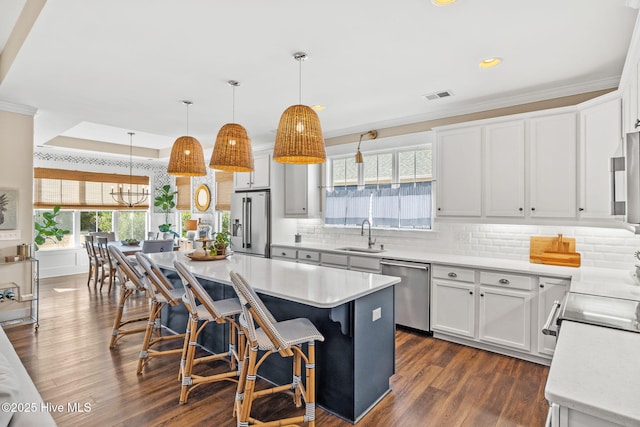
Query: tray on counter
(208, 257)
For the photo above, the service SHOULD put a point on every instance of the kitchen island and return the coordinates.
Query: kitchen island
(353, 310)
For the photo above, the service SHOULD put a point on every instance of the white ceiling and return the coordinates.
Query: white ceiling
(97, 69)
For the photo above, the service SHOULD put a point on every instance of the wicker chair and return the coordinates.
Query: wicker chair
(131, 281)
(108, 266)
(286, 339)
(161, 293)
(221, 311)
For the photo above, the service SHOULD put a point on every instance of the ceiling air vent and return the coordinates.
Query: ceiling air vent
(438, 95)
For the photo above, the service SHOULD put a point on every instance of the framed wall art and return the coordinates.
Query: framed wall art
(8, 209)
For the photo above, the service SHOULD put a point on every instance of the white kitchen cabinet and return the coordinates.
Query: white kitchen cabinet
(552, 166)
(504, 159)
(334, 260)
(459, 172)
(309, 257)
(453, 307)
(550, 291)
(600, 140)
(301, 191)
(505, 317)
(258, 179)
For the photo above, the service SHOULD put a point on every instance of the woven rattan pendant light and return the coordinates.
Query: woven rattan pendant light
(299, 138)
(232, 150)
(187, 157)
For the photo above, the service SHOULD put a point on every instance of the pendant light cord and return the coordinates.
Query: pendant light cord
(233, 103)
(300, 81)
(131, 160)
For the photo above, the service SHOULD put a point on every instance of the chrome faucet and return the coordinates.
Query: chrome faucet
(370, 242)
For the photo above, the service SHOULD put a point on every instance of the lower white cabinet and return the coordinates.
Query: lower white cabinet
(493, 310)
(505, 317)
(453, 307)
(550, 291)
(328, 259)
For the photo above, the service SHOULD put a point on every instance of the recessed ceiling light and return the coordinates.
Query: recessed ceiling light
(442, 2)
(490, 62)
(317, 107)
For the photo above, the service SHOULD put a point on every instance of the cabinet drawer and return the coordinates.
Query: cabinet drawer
(283, 253)
(453, 273)
(308, 256)
(335, 260)
(364, 263)
(506, 280)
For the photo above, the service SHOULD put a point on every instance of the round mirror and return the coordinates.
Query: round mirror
(202, 197)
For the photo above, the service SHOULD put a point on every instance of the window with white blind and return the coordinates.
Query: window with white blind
(391, 189)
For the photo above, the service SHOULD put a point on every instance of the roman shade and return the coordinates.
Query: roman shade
(80, 189)
(183, 186)
(224, 189)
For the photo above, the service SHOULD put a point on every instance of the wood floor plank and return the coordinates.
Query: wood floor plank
(437, 383)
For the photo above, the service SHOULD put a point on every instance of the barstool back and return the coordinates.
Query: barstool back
(126, 271)
(195, 291)
(157, 279)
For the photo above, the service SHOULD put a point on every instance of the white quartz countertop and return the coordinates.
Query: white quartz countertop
(596, 370)
(312, 285)
(590, 280)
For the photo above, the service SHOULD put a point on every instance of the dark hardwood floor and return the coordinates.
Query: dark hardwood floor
(437, 383)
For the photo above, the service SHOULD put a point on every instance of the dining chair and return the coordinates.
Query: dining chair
(286, 338)
(95, 261)
(131, 281)
(161, 293)
(151, 246)
(108, 266)
(203, 310)
(110, 235)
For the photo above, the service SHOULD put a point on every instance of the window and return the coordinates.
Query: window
(132, 225)
(65, 222)
(390, 189)
(96, 221)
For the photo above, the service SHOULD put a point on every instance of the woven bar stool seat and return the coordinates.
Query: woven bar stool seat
(202, 310)
(131, 281)
(161, 293)
(285, 338)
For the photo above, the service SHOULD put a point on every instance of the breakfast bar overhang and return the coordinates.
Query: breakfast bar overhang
(353, 310)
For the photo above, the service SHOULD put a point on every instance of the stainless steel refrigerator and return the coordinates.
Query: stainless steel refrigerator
(251, 223)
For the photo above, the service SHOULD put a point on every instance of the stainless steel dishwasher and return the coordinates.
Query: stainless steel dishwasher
(412, 294)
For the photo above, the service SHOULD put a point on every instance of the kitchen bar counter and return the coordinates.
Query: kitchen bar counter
(353, 310)
(595, 372)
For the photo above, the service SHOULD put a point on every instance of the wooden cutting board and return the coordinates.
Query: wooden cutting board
(557, 250)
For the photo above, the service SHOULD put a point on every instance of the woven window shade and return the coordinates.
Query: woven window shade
(183, 185)
(81, 190)
(299, 138)
(224, 190)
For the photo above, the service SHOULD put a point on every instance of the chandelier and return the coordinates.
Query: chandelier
(129, 197)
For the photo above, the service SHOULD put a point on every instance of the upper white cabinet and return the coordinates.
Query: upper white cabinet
(553, 163)
(257, 179)
(600, 140)
(301, 191)
(459, 170)
(504, 169)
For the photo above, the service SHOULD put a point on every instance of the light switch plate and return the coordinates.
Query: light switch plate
(376, 314)
(9, 234)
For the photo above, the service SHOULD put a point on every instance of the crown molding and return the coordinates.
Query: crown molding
(18, 108)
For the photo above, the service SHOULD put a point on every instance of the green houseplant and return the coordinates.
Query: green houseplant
(165, 200)
(48, 228)
(221, 242)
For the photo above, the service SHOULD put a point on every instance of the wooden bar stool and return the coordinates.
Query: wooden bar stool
(285, 338)
(220, 311)
(131, 280)
(161, 293)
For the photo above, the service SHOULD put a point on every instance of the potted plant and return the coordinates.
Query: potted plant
(221, 242)
(165, 200)
(48, 229)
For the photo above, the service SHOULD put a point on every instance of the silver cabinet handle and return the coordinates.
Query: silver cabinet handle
(546, 329)
(452, 274)
(503, 281)
(284, 253)
(308, 256)
(617, 165)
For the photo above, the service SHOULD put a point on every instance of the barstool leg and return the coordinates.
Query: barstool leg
(151, 324)
(244, 366)
(124, 294)
(297, 369)
(250, 382)
(188, 366)
(310, 389)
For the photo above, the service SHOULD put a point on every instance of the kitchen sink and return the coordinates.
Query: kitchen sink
(367, 250)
